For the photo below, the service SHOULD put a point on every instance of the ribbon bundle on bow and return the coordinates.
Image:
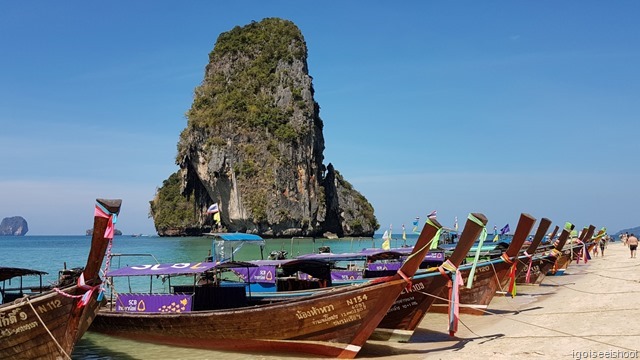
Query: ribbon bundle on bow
(108, 234)
(100, 211)
(528, 277)
(512, 273)
(455, 281)
(583, 253)
(483, 237)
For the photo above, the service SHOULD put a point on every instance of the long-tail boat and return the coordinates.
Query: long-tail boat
(539, 264)
(531, 258)
(17, 274)
(489, 275)
(335, 322)
(571, 251)
(48, 325)
(550, 267)
(412, 304)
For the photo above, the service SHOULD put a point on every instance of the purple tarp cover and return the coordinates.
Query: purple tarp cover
(384, 266)
(163, 269)
(165, 303)
(259, 274)
(346, 275)
(395, 253)
(435, 256)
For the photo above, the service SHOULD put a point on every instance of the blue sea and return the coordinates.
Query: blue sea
(52, 253)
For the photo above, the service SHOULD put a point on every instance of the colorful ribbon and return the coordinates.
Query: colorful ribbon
(405, 278)
(528, 277)
(434, 241)
(512, 273)
(454, 294)
(102, 212)
(483, 236)
(583, 253)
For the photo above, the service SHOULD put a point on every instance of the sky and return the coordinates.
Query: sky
(497, 107)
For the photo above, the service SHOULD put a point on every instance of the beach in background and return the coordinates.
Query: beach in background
(591, 312)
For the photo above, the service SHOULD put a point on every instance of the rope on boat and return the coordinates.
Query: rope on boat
(582, 312)
(599, 293)
(46, 328)
(495, 274)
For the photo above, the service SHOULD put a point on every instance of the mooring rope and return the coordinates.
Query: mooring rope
(46, 328)
(594, 293)
(535, 325)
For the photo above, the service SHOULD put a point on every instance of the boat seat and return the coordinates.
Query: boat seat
(8, 297)
(219, 297)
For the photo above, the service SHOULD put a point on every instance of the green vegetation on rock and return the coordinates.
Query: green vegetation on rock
(170, 209)
(253, 143)
(243, 94)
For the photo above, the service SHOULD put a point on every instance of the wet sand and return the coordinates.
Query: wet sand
(592, 311)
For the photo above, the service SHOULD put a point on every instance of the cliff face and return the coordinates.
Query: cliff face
(15, 225)
(254, 143)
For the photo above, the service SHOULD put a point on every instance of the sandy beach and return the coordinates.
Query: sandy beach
(591, 312)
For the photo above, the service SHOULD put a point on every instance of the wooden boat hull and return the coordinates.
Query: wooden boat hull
(48, 325)
(488, 278)
(563, 261)
(411, 305)
(336, 323)
(409, 308)
(24, 334)
(540, 266)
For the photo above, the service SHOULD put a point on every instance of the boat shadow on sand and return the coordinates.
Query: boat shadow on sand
(439, 341)
(510, 311)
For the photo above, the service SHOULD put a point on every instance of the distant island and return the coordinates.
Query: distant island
(115, 232)
(14, 226)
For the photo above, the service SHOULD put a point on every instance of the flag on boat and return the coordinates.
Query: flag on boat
(496, 238)
(386, 244)
(415, 224)
(505, 230)
(432, 215)
(455, 224)
(495, 229)
(213, 209)
(404, 233)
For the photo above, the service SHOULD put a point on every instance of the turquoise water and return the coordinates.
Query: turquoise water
(50, 253)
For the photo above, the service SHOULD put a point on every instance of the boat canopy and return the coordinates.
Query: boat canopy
(7, 273)
(163, 269)
(371, 254)
(236, 237)
(225, 245)
(317, 268)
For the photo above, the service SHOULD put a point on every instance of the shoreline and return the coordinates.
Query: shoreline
(584, 314)
(587, 313)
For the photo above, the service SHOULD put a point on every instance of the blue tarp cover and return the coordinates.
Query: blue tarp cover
(235, 236)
